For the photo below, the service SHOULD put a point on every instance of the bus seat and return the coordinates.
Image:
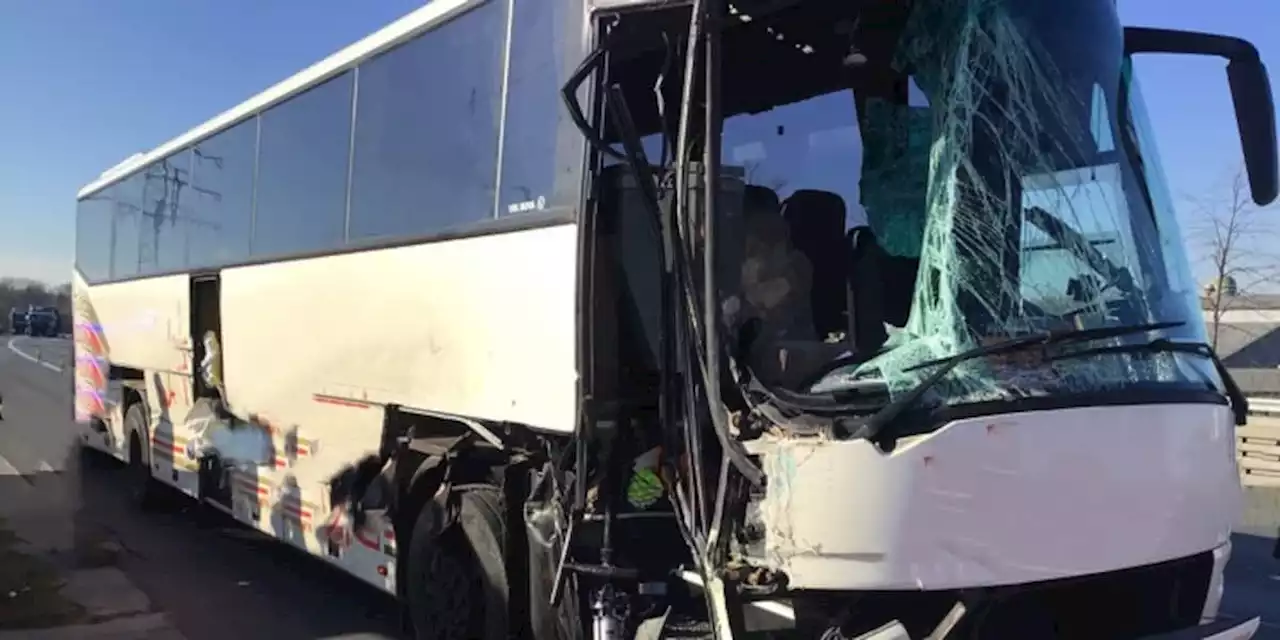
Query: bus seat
(898, 275)
(761, 210)
(816, 221)
(881, 285)
(866, 291)
(756, 199)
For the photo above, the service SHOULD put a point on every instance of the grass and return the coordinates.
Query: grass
(29, 589)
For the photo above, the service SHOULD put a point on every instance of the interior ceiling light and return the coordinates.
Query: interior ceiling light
(855, 57)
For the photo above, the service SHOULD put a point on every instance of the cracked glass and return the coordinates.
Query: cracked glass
(1008, 184)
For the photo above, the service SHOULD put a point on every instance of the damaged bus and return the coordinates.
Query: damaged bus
(725, 319)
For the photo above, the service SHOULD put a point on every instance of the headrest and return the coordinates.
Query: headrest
(758, 199)
(810, 211)
(761, 213)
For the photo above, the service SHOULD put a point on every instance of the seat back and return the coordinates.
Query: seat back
(816, 221)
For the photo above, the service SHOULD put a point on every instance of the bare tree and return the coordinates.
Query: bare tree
(1234, 235)
(751, 175)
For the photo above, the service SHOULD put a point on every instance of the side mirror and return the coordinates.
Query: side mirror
(1250, 92)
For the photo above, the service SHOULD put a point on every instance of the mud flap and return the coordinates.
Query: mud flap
(545, 523)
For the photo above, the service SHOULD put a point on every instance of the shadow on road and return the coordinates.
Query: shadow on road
(213, 577)
(34, 536)
(217, 578)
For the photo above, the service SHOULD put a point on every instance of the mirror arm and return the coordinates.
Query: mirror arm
(1149, 40)
(1250, 93)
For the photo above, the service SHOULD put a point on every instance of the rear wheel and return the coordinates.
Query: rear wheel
(144, 490)
(456, 583)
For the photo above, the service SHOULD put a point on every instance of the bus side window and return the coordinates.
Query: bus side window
(542, 150)
(426, 130)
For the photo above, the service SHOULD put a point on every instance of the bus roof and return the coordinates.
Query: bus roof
(403, 29)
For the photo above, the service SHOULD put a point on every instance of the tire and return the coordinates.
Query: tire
(453, 591)
(144, 489)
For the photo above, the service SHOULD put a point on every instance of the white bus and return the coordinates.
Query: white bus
(459, 310)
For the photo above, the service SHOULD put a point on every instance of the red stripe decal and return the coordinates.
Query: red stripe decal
(367, 541)
(342, 402)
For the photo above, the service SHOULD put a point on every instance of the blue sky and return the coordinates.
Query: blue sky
(92, 81)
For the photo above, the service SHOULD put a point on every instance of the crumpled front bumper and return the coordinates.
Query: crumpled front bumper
(1220, 630)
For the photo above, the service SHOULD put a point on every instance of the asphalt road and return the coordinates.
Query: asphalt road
(220, 581)
(215, 581)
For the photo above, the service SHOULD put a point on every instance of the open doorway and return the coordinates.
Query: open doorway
(206, 317)
(206, 340)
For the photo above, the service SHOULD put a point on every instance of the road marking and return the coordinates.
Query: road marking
(30, 358)
(45, 467)
(7, 468)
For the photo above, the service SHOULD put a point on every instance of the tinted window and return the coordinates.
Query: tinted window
(162, 243)
(93, 236)
(127, 196)
(302, 171)
(542, 154)
(427, 129)
(219, 203)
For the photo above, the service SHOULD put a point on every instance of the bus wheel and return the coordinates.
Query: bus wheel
(450, 589)
(143, 489)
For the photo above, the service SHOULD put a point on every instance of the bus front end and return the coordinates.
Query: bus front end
(975, 372)
(957, 381)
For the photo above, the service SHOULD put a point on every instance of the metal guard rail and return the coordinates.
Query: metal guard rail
(1264, 406)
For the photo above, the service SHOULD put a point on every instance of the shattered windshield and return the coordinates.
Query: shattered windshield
(964, 171)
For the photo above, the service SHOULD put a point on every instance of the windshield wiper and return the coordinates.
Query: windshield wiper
(878, 427)
(1239, 403)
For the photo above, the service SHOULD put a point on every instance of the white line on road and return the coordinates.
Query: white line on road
(30, 358)
(45, 467)
(7, 469)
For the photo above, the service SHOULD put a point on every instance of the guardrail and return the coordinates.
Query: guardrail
(1258, 444)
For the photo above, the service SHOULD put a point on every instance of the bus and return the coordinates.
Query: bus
(704, 318)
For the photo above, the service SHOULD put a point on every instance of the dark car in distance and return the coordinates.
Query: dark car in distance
(35, 321)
